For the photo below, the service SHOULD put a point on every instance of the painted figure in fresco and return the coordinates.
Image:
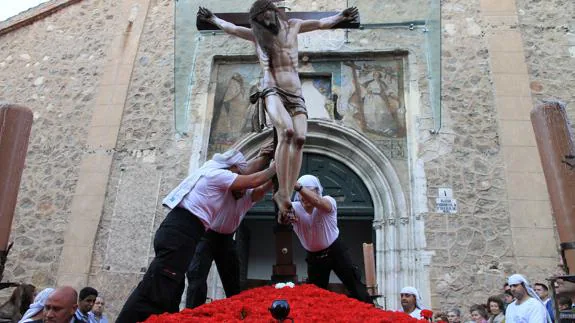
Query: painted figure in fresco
(376, 98)
(231, 118)
(276, 43)
(377, 108)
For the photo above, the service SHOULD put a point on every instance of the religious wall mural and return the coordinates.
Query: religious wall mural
(372, 97)
(366, 95)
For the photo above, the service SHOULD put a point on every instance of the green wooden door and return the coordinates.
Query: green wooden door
(355, 215)
(339, 181)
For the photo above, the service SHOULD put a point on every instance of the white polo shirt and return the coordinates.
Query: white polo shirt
(207, 196)
(318, 230)
(530, 311)
(232, 213)
(416, 313)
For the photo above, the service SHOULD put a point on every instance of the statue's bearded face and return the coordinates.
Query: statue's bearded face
(269, 20)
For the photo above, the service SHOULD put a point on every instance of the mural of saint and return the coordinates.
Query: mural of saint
(232, 110)
(374, 103)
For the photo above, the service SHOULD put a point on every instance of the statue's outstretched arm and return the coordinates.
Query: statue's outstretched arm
(348, 14)
(228, 27)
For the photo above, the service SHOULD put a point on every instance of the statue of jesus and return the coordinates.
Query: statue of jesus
(275, 38)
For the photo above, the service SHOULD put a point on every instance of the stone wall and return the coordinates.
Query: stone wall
(52, 66)
(150, 160)
(548, 31)
(476, 249)
(473, 248)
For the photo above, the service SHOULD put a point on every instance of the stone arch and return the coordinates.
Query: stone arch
(399, 235)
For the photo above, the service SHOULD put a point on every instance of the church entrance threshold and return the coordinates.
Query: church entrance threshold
(355, 217)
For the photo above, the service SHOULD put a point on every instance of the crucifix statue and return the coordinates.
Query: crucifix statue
(274, 33)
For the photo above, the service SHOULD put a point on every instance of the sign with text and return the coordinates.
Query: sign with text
(445, 205)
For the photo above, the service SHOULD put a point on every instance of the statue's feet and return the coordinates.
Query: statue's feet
(283, 202)
(287, 217)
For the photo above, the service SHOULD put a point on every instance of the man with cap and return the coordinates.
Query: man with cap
(411, 302)
(86, 300)
(218, 242)
(527, 306)
(35, 311)
(315, 224)
(193, 205)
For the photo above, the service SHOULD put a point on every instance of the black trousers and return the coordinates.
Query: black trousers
(161, 288)
(216, 247)
(337, 258)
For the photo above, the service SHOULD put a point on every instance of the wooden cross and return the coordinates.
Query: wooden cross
(243, 19)
(284, 269)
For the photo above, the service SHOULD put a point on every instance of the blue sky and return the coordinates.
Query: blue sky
(9, 8)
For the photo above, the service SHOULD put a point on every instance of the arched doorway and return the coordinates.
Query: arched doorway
(355, 219)
(401, 258)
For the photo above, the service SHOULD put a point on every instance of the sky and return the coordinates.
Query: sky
(9, 8)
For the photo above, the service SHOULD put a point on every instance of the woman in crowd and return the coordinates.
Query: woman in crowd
(495, 308)
(478, 313)
(454, 315)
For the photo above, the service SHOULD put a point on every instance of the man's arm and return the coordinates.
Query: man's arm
(260, 191)
(348, 14)
(227, 27)
(317, 201)
(243, 182)
(262, 160)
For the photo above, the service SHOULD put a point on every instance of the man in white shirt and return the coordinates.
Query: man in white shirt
(527, 307)
(218, 242)
(411, 302)
(193, 205)
(315, 224)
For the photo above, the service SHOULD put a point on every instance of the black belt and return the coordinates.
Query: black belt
(324, 252)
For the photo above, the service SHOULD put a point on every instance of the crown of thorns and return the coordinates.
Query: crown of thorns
(261, 6)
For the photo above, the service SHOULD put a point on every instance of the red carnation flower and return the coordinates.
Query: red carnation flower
(427, 314)
(307, 303)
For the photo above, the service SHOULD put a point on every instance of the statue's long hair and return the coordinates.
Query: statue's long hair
(265, 37)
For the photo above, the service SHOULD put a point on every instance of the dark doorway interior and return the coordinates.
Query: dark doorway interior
(355, 216)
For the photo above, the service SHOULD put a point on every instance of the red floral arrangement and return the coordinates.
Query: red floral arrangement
(427, 315)
(307, 303)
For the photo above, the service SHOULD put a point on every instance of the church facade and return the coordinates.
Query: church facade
(128, 97)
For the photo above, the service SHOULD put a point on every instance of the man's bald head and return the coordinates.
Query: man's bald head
(61, 305)
(66, 292)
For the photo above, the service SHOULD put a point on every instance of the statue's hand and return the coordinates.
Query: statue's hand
(204, 14)
(292, 218)
(351, 13)
(287, 218)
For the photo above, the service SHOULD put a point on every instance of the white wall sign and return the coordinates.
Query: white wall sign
(445, 193)
(445, 203)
